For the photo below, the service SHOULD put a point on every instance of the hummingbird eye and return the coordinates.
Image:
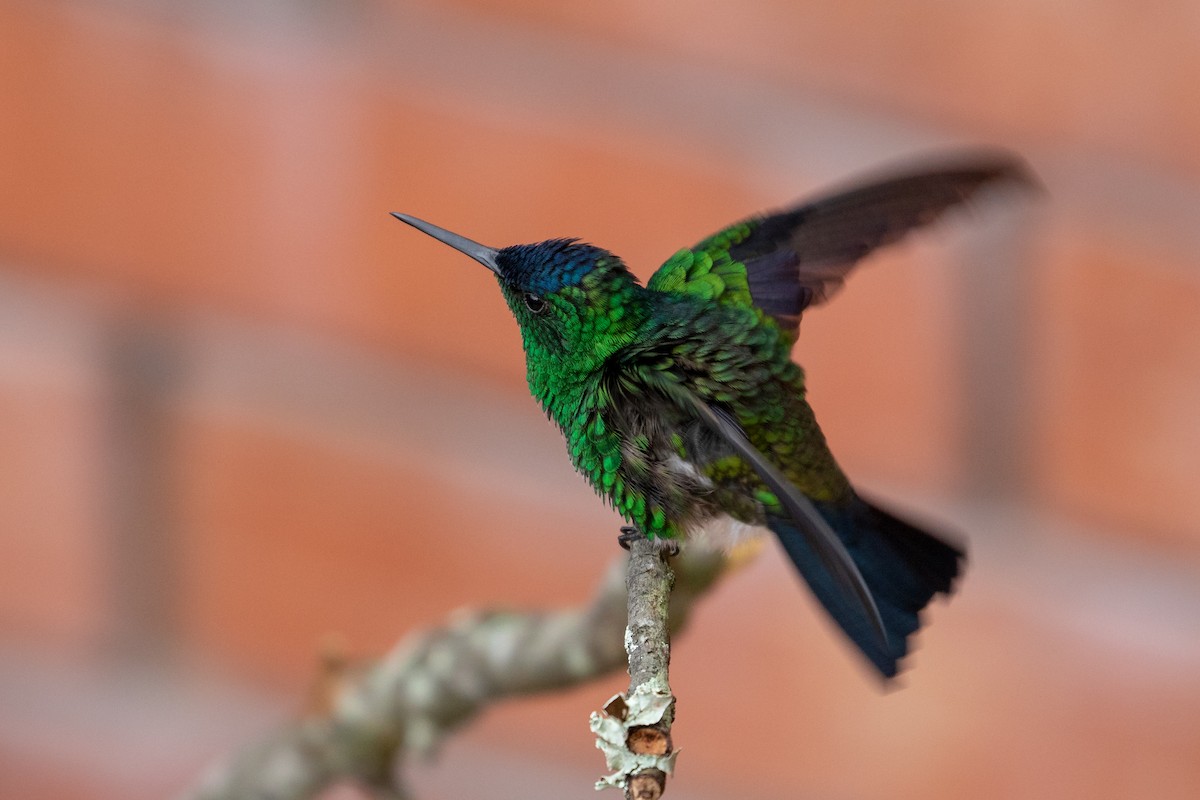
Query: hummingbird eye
(534, 303)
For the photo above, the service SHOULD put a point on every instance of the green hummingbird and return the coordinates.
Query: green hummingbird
(681, 405)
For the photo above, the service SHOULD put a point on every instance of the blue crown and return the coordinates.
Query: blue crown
(546, 267)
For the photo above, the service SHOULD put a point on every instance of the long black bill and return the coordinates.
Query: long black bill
(481, 253)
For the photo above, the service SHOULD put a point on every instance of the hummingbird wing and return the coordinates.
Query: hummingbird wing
(819, 535)
(783, 263)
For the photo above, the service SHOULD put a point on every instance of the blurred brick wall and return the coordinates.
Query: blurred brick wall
(243, 409)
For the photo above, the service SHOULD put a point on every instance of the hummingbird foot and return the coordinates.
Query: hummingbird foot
(669, 548)
(629, 533)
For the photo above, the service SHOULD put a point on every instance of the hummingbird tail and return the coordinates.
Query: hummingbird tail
(903, 566)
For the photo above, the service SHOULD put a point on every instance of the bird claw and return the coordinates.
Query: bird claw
(667, 548)
(629, 533)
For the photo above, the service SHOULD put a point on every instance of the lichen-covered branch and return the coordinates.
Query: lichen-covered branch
(437, 680)
(634, 730)
(649, 581)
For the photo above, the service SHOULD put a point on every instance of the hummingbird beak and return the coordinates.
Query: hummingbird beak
(484, 255)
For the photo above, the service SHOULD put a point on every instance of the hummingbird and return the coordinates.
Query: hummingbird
(681, 405)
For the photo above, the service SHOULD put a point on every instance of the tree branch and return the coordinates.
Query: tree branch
(634, 730)
(433, 682)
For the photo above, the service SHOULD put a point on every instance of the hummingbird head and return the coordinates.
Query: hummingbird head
(567, 296)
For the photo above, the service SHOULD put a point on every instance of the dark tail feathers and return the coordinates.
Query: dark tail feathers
(904, 567)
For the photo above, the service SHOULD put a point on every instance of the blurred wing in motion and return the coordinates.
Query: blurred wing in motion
(785, 262)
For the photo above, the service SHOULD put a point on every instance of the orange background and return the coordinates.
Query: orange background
(241, 409)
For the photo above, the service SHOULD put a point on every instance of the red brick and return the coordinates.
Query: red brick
(1112, 77)
(293, 538)
(52, 511)
(1119, 384)
(21, 777)
(163, 152)
(882, 363)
